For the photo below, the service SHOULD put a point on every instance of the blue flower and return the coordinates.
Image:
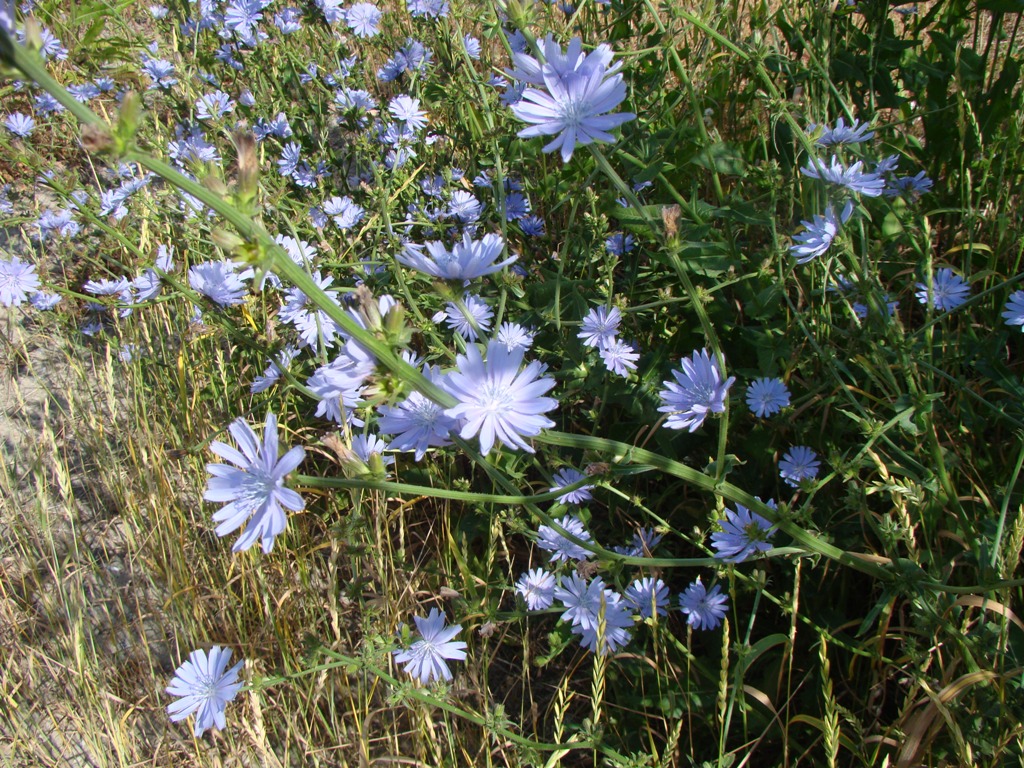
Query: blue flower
(532, 226)
(241, 16)
(586, 604)
(766, 397)
(20, 125)
(212, 106)
(911, 187)
(799, 463)
(45, 104)
(704, 610)
(619, 244)
(288, 21)
(160, 73)
(273, 371)
(426, 659)
(579, 91)
(560, 547)
(620, 357)
(407, 109)
(221, 281)
(364, 19)
(430, 9)
(537, 587)
(417, 422)
(464, 206)
(514, 336)
(344, 211)
(600, 326)
(497, 399)
(254, 487)
(204, 686)
(948, 291)
(468, 322)
(517, 205)
(851, 178)
(312, 323)
(697, 391)
(331, 10)
(642, 544)
(819, 233)
(649, 596)
(365, 446)
(1014, 312)
(44, 301)
(17, 280)
(744, 533)
(568, 476)
(340, 385)
(472, 46)
(465, 261)
(855, 133)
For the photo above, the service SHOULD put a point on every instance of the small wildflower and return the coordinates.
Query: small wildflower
(649, 596)
(20, 125)
(855, 133)
(704, 609)
(697, 391)
(537, 587)
(417, 423)
(204, 685)
(499, 401)
(469, 322)
(212, 106)
(221, 281)
(573, 96)
(558, 545)
(466, 260)
(588, 606)
(766, 397)
(407, 109)
(17, 280)
(852, 178)
(620, 357)
(364, 19)
(514, 336)
(911, 187)
(948, 291)
(819, 233)
(1014, 311)
(425, 660)
(568, 476)
(744, 533)
(254, 487)
(798, 464)
(600, 326)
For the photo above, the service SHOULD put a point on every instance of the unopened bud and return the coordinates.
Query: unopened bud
(96, 138)
(128, 119)
(215, 185)
(227, 240)
(670, 218)
(248, 166)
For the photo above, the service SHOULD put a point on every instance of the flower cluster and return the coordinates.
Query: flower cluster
(844, 181)
(602, 616)
(600, 329)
